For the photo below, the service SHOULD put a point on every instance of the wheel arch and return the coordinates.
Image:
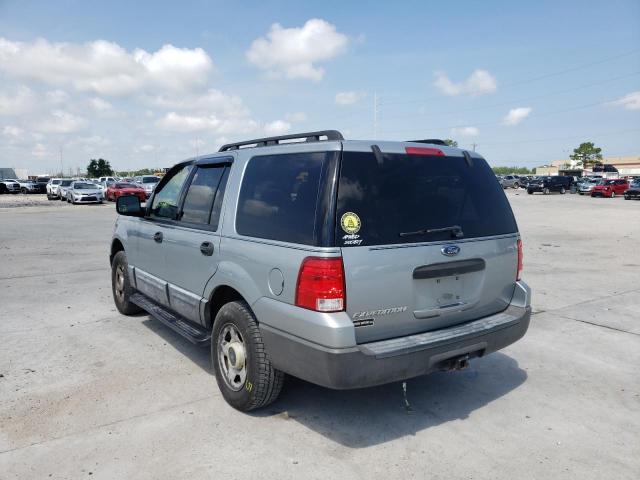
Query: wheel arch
(116, 246)
(220, 296)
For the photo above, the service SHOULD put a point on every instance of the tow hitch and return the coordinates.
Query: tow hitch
(458, 363)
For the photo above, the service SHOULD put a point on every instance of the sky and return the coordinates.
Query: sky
(150, 83)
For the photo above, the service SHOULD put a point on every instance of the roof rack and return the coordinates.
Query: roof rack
(433, 141)
(270, 141)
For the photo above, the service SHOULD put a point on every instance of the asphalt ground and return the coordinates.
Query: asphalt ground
(85, 391)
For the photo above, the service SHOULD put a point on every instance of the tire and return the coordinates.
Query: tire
(626, 197)
(24, 191)
(258, 384)
(516, 185)
(530, 192)
(545, 191)
(562, 191)
(613, 194)
(120, 286)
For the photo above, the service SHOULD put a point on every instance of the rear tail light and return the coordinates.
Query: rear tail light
(424, 151)
(321, 284)
(520, 255)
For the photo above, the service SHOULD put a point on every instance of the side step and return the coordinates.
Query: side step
(193, 333)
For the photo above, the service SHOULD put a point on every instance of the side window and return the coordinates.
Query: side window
(205, 189)
(165, 201)
(278, 197)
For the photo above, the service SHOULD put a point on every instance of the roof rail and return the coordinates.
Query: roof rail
(433, 141)
(270, 141)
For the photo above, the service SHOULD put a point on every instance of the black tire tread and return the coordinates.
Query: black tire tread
(268, 382)
(126, 308)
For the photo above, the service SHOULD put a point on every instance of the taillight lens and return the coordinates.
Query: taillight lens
(424, 151)
(520, 255)
(321, 284)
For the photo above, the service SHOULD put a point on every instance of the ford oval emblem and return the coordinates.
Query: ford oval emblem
(450, 250)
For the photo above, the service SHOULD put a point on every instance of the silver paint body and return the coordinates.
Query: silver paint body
(264, 272)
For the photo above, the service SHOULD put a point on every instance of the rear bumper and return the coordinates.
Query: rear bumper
(401, 358)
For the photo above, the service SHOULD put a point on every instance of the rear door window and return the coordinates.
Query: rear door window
(279, 197)
(204, 196)
(413, 193)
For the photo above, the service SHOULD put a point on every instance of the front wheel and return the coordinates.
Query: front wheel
(242, 367)
(545, 191)
(613, 194)
(562, 191)
(530, 192)
(121, 286)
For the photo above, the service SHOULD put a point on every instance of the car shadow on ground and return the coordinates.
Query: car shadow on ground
(371, 416)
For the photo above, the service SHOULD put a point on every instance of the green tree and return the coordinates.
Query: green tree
(587, 153)
(451, 143)
(99, 168)
(510, 170)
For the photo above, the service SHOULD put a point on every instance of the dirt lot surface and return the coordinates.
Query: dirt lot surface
(85, 391)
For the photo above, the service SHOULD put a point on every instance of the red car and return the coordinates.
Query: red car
(119, 189)
(610, 188)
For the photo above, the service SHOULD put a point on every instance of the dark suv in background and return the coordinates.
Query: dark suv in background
(547, 185)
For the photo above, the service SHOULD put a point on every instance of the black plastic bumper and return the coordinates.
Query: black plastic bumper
(393, 360)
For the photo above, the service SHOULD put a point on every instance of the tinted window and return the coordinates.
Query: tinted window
(411, 193)
(165, 201)
(199, 200)
(279, 196)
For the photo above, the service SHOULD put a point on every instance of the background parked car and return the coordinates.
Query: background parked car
(28, 186)
(119, 189)
(52, 188)
(62, 188)
(83, 192)
(148, 183)
(587, 184)
(547, 185)
(633, 191)
(510, 181)
(9, 185)
(610, 188)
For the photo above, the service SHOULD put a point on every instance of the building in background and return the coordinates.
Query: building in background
(609, 166)
(7, 173)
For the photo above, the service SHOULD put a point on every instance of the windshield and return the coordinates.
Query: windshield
(423, 197)
(66, 183)
(125, 185)
(150, 179)
(83, 186)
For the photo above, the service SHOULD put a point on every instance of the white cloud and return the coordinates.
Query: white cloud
(293, 52)
(211, 100)
(465, 131)
(17, 103)
(176, 122)
(147, 148)
(277, 127)
(100, 105)
(12, 131)
(478, 83)
(516, 115)
(105, 67)
(56, 97)
(60, 121)
(349, 98)
(631, 101)
(296, 117)
(40, 151)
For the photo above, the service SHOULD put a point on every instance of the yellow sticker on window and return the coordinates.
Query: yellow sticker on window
(350, 223)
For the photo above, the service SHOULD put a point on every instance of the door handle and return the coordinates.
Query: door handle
(206, 248)
(158, 237)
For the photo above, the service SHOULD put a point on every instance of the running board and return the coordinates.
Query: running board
(193, 333)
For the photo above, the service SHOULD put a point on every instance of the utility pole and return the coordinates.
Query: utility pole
(375, 115)
(197, 149)
(61, 164)
(474, 145)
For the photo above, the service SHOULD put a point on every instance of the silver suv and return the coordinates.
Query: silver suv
(344, 263)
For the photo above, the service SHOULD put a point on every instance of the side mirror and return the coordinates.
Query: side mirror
(129, 205)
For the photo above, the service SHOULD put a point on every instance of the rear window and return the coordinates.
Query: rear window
(279, 197)
(413, 193)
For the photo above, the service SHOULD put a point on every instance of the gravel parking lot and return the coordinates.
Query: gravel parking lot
(86, 391)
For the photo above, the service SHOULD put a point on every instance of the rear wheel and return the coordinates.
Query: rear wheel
(562, 191)
(516, 185)
(530, 192)
(121, 286)
(242, 367)
(545, 191)
(613, 194)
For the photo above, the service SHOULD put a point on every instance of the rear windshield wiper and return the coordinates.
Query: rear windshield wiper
(456, 231)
